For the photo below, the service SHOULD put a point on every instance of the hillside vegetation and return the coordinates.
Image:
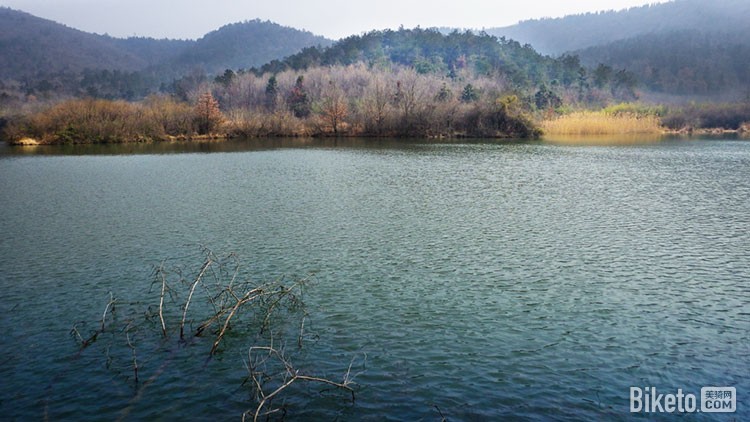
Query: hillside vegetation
(691, 63)
(430, 51)
(683, 48)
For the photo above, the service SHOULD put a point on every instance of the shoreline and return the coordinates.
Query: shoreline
(688, 133)
(27, 141)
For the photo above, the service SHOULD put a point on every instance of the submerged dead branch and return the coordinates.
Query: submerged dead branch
(260, 358)
(110, 305)
(264, 314)
(163, 276)
(135, 358)
(84, 343)
(248, 297)
(190, 296)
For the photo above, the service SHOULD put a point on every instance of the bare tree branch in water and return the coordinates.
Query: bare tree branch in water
(261, 360)
(228, 312)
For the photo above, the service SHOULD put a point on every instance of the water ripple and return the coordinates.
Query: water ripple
(490, 281)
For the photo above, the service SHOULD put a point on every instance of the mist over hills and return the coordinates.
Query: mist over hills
(687, 63)
(577, 32)
(684, 47)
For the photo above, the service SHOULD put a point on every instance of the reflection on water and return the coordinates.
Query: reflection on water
(638, 139)
(264, 144)
(234, 145)
(203, 146)
(605, 140)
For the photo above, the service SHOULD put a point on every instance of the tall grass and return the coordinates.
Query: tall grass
(601, 123)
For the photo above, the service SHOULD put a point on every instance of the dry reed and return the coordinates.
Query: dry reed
(599, 123)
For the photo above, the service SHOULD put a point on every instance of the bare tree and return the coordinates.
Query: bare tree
(333, 108)
(376, 105)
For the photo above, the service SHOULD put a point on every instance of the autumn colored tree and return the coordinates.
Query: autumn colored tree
(206, 114)
(377, 105)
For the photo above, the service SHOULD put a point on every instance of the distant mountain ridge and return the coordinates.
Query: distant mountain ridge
(576, 32)
(30, 45)
(32, 48)
(247, 44)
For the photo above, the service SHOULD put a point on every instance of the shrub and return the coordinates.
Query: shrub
(501, 118)
(707, 116)
(634, 109)
(175, 118)
(91, 121)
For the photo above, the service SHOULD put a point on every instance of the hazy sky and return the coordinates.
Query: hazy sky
(331, 18)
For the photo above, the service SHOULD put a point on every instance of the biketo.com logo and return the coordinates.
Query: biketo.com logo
(712, 400)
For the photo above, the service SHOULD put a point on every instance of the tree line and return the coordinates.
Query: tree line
(353, 100)
(410, 82)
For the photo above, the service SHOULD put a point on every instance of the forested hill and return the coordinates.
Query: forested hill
(246, 44)
(430, 51)
(557, 36)
(693, 63)
(30, 46)
(40, 55)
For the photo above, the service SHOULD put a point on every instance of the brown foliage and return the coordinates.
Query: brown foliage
(176, 118)
(90, 121)
(206, 114)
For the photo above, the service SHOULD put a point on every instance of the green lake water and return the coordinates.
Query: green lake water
(473, 280)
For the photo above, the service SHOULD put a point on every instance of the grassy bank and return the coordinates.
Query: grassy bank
(412, 110)
(640, 119)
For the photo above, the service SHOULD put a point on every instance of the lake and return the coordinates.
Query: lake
(465, 280)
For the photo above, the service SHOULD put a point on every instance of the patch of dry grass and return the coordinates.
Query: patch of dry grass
(599, 123)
